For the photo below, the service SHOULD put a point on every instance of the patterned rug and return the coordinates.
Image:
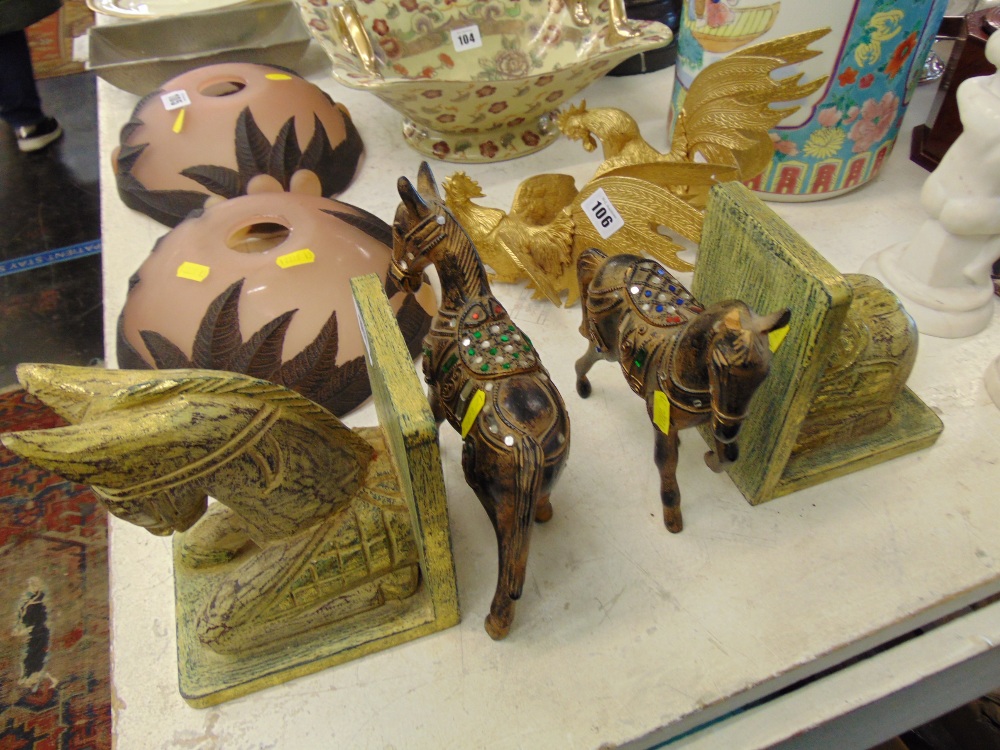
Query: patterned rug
(55, 691)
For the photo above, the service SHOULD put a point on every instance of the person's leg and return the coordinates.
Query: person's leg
(20, 105)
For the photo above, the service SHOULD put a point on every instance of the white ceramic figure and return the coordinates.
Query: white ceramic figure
(942, 274)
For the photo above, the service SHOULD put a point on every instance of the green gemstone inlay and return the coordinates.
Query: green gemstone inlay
(478, 334)
(516, 355)
(506, 366)
(493, 350)
(511, 328)
(449, 363)
(485, 368)
(472, 352)
(640, 358)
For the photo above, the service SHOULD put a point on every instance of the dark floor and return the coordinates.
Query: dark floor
(50, 308)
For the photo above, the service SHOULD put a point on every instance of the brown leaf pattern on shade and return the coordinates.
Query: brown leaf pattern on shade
(315, 363)
(313, 372)
(260, 357)
(219, 180)
(348, 384)
(414, 323)
(218, 338)
(285, 154)
(166, 354)
(253, 150)
(317, 148)
(368, 223)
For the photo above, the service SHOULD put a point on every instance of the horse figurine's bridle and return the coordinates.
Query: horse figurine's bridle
(711, 395)
(400, 267)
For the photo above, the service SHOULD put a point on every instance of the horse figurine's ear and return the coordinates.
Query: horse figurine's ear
(775, 326)
(413, 201)
(426, 183)
(772, 322)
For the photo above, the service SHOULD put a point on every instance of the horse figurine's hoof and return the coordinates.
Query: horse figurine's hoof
(497, 628)
(691, 365)
(672, 520)
(485, 377)
(543, 511)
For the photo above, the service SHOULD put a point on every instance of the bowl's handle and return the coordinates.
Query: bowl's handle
(350, 32)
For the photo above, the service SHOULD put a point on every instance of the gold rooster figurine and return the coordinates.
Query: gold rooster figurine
(721, 135)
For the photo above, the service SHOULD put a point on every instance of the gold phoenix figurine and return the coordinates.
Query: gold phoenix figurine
(721, 135)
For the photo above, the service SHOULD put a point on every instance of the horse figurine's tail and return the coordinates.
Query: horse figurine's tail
(513, 528)
(587, 265)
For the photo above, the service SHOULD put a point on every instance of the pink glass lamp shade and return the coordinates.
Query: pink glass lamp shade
(213, 132)
(260, 285)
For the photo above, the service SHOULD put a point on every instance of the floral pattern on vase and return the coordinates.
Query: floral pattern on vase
(850, 129)
(488, 103)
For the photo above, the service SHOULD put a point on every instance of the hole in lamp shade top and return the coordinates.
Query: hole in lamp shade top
(258, 237)
(222, 87)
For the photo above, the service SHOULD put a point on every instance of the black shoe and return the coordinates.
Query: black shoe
(38, 136)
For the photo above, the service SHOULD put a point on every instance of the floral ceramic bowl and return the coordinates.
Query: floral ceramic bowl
(477, 81)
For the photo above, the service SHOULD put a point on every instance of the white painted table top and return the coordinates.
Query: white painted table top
(625, 633)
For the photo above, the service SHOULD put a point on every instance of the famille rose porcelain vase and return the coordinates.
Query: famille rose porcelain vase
(872, 61)
(477, 81)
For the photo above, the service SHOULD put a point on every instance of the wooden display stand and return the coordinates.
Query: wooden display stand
(968, 60)
(207, 678)
(835, 400)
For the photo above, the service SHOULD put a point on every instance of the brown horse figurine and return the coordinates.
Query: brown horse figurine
(486, 379)
(690, 364)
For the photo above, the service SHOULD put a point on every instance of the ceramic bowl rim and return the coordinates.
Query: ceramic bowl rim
(653, 35)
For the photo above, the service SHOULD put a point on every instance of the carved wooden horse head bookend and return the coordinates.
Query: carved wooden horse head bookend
(692, 365)
(486, 379)
(323, 544)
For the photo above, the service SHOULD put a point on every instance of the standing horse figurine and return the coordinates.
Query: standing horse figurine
(690, 364)
(487, 380)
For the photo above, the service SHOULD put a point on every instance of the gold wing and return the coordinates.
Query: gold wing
(726, 114)
(540, 198)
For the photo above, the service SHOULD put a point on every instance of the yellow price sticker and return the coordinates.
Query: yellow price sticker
(297, 258)
(661, 411)
(775, 337)
(475, 406)
(179, 122)
(278, 77)
(192, 271)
